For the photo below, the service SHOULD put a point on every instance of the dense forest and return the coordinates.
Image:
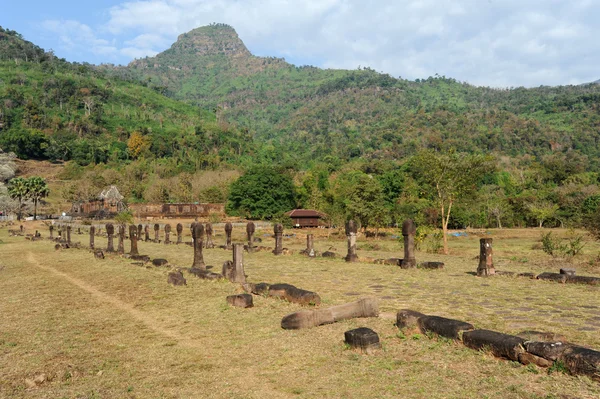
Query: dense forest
(183, 126)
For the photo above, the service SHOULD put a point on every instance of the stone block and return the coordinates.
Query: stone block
(362, 338)
(407, 318)
(501, 345)
(241, 300)
(444, 327)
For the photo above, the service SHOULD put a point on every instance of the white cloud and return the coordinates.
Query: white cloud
(489, 42)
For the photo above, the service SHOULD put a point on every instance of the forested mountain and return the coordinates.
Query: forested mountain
(181, 126)
(303, 113)
(53, 109)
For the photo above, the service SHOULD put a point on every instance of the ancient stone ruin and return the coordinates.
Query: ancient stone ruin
(179, 229)
(310, 247)
(278, 230)
(92, 234)
(486, 263)
(209, 233)
(409, 229)
(140, 229)
(234, 271)
(241, 300)
(146, 233)
(167, 233)
(351, 230)
(51, 227)
(134, 239)
(156, 233)
(228, 230)
(121, 245)
(198, 238)
(68, 235)
(110, 232)
(362, 338)
(366, 307)
(250, 229)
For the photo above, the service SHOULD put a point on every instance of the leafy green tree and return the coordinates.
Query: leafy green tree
(17, 190)
(37, 188)
(452, 176)
(542, 211)
(261, 193)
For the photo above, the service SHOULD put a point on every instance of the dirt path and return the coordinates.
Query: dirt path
(135, 314)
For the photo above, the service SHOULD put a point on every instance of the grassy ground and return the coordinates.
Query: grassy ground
(90, 328)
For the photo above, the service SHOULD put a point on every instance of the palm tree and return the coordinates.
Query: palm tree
(17, 190)
(37, 188)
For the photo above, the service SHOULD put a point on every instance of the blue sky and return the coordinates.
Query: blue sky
(499, 43)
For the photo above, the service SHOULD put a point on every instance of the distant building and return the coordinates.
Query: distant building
(108, 203)
(306, 218)
(177, 210)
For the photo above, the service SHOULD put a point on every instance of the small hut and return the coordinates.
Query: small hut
(306, 218)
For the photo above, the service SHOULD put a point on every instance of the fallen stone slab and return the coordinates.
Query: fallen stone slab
(293, 294)
(362, 338)
(569, 271)
(160, 262)
(444, 327)
(142, 258)
(176, 278)
(392, 261)
(580, 360)
(430, 265)
(501, 345)
(548, 350)
(407, 318)
(329, 254)
(241, 300)
(367, 307)
(528, 358)
(540, 336)
(204, 274)
(98, 254)
(559, 278)
(257, 289)
(583, 280)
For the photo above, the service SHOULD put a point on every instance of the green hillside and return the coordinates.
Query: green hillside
(308, 113)
(56, 110)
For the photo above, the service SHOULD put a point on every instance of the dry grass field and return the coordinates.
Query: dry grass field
(72, 326)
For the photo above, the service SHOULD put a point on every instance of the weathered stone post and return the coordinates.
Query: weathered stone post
(51, 227)
(156, 232)
(60, 230)
(310, 246)
(278, 230)
(121, 246)
(486, 263)
(92, 233)
(179, 229)
(69, 235)
(110, 232)
(209, 233)
(198, 239)
(21, 228)
(351, 230)
(409, 229)
(238, 265)
(79, 230)
(228, 230)
(146, 233)
(140, 228)
(133, 238)
(167, 233)
(250, 229)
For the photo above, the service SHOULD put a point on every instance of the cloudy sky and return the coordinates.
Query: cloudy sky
(499, 43)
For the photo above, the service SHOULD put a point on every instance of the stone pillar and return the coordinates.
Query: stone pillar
(92, 233)
(310, 246)
(121, 246)
(156, 229)
(110, 232)
(278, 230)
(238, 265)
(140, 229)
(198, 240)
(133, 238)
(21, 228)
(179, 229)
(79, 230)
(60, 230)
(209, 233)
(351, 230)
(51, 227)
(409, 229)
(167, 233)
(250, 229)
(146, 233)
(68, 235)
(228, 230)
(486, 263)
